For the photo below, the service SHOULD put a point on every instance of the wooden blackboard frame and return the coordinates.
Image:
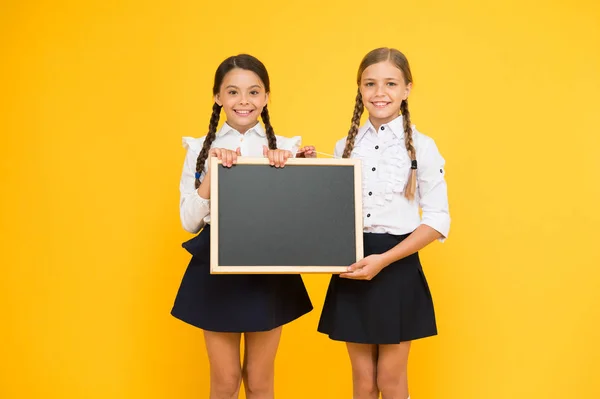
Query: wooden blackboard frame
(215, 268)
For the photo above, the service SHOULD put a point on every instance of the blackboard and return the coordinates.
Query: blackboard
(303, 218)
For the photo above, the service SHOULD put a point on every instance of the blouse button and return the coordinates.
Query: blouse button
(373, 169)
(368, 215)
(376, 147)
(382, 127)
(370, 192)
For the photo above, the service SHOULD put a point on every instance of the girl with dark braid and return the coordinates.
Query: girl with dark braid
(229, 306)
(383, 301)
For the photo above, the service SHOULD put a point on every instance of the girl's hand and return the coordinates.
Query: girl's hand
(308, 151)
(227, 157)
(277, 158)
(365, 269)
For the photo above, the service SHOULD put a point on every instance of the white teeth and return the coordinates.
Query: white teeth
(243, 112)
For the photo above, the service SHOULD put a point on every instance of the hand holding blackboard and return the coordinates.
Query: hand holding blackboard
(276, 157)
(228, 158)
(308, 151)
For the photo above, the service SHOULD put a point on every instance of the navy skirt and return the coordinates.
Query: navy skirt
(236, 302)
(395, 306)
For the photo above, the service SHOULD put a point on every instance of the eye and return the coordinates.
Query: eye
(392, 84)
(232, 92)
(254, 92)
(369, 84)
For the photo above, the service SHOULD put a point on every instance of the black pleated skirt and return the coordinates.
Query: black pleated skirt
(236, 302)
(395, 306)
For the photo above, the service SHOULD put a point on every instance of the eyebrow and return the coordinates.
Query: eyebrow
(383, 79)
(235, 87)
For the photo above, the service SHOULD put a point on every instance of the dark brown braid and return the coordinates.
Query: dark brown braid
(358, 111)
(210, 137)
(269, 129)
(411, 185)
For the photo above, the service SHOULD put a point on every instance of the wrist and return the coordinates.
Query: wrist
(387, 258)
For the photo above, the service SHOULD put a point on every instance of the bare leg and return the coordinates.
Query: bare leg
(363, 358)
(225, 369)
(392, 365)
(259, 363)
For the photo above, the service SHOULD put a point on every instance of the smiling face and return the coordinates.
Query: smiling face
(243, 96)
(383, 87)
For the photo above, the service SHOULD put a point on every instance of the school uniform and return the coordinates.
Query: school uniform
(230, 303)
(396, 305)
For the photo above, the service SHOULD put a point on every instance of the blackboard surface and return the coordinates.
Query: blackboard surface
(300, 218)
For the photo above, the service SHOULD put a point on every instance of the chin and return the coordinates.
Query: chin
(247, 124)
(383, 116)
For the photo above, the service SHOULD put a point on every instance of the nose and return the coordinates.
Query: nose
(244, 99)
(379, 90)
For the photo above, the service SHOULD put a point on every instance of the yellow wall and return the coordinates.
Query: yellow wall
(95, 96)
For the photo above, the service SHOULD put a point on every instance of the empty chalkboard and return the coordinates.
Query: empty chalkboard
(303, 218)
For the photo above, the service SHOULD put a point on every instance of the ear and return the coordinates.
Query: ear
(218, 99)
(267, 98)
(407, 92)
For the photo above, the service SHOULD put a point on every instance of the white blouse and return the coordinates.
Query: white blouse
(386, 166)
(195, 210)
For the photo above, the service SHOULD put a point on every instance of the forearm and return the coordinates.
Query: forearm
(417, 240)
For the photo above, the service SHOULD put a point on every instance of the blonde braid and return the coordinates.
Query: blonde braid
(358, 110)
(411, 185)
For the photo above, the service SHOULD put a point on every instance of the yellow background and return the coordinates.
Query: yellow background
(96, 95)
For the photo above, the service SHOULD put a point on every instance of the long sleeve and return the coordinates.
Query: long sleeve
(192, 208)
(433, 191)
(289, 143)
(338, 150)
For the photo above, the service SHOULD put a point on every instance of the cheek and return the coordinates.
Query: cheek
(398, 94)
(228, 106)
(225, 100)
(261, 102)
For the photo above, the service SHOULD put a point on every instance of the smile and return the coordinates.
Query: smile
(243, 112)
(380, 104)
